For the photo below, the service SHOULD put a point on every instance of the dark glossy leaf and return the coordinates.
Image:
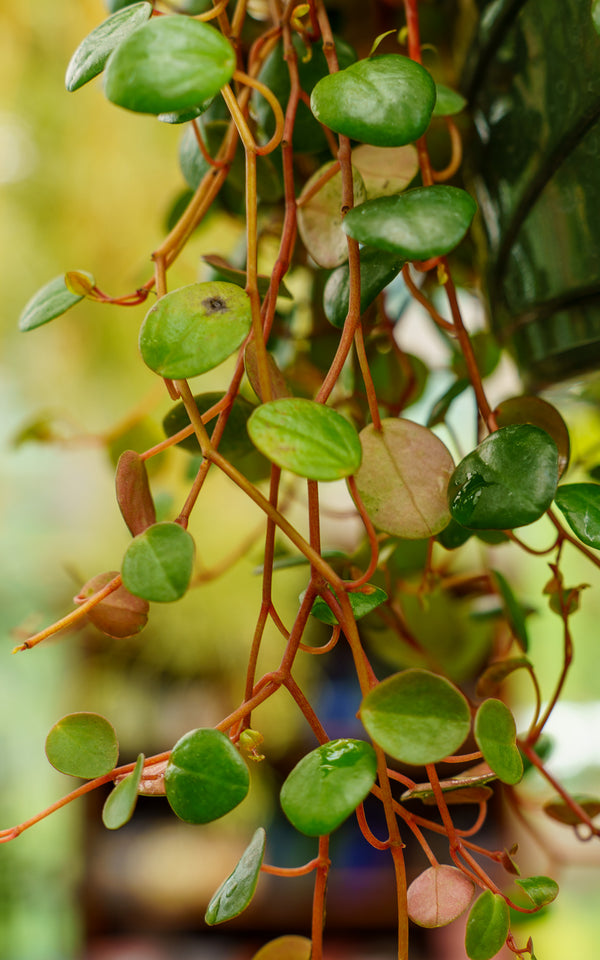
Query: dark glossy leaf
(421, 223)
(580, 505)
(83, 745)
(453, 536)
(195, 328)
(49, 302)
(285, 948)
(308, 438)
(448, 102)
(233, 275)
(496, 673)
(120, 804)
(327, 785)
(495, 734)
(416, 717)
(386, 101)
(236, 892)
(438, 896)
(158, 563)
(514, 612)
(508, 481)
(403, 478)
(539, 413)
(235, 442)
(171, 63)
(119, 615)
(361, 602)
(194, 166)
(540, 890)
(557, 809)
(133, 492)
(205, 776)
(385, 170)
(377, 269)
(487, 926)
(184, 116)
(320, 218)
(93, 52)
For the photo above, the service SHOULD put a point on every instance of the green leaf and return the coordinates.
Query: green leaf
(171, 63)
(557, 809)
(448, 102)
(93, 52)
(133, 492)
(327, 785)
(487, 926)
(120, 614)
(421, 223)
(540, 890)
(184, 116)
(385, 170)
(83, 745)
(120, 804)
(377, 269)
(539, 413)
(453, 536)
(402, 479)
(236, 892)
(596, 15)
(320, 217)
(361, 603)
(438, 896)
(285, 948)
(441, 406)
(158, 563)
(205, 776)
(195, 328)
(508, 481)
(580, 505)
(307, 438)
(496, 673)
(235, 442)
(49, 302)
(495, 734)
(514, 612)
(386, 101)
(416, 717)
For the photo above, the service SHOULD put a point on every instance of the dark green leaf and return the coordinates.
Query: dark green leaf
(133, 492)
(93, 52)
(487, 926)
(495, 734)
(205, 776)
(508, 481)
(49, 302)
(171, 63)
(361, 603)
(438, 896)
(120, 804)
(386, 101)
(453, 536)
(514, 612)
(83, 745)
(557, 809)
(184, 116)
(448, 102)
(416, 717)
(308, 438)
(540, 890)
(543, 747)
(539, 413)
(377, 269)
(195, 328)
(327, 785)
(580, 504)
(421, 223)
(235, 442)
(158, 563)
(402, 478)
(236, 892)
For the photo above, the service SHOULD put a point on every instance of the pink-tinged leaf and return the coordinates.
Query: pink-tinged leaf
(119, 615)
(133, 492)
(438, 896)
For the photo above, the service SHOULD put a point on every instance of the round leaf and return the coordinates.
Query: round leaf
(448, 102)
(236, 892)
(93, 52)
(386, 101)
(285, 948)
(361, 603)
(320, 218)
(120, 614)
(385, 170)
(421, 223)
(403, 479)
(416, 717)
(49, 302)
(326, 786)
(377, 269)
(496, 738)
(195, 328)
(120, 804)
(580, 504)
(205, 776)
(438, 896)
(508, 481)
(83, 745)
(158, 563)
(540, 890)
(171, 63)
(307, 438)
(487, 926)
(540, 414)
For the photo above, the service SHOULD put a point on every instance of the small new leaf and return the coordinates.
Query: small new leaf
(120, 804)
